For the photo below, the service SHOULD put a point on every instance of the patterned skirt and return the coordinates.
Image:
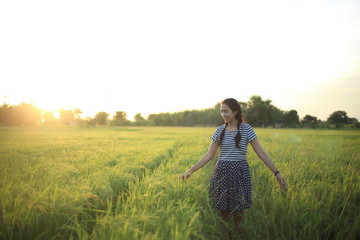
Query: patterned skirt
(230, 186)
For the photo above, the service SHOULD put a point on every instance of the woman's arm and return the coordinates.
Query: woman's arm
(265, 158)
(262, 155)
(205, 159)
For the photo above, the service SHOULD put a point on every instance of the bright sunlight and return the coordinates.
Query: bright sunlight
(162, 56)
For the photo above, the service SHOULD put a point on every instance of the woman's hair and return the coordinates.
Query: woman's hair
(234, 105)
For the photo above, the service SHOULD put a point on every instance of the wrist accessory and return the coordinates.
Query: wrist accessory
(275, 173)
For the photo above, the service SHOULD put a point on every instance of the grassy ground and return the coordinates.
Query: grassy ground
(122, 183)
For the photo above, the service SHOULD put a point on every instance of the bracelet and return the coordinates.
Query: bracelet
(276, 172)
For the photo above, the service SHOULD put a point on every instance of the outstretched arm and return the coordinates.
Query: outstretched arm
(205, 159)
(265, 158)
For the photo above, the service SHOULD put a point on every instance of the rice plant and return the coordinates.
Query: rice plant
(122, 183)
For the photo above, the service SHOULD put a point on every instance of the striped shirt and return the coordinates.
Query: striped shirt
(228, 149)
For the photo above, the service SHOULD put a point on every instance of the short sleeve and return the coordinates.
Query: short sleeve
(251, 135)
(216, 135)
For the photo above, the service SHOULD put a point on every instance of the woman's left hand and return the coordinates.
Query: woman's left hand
(281, 181)
(185, 175)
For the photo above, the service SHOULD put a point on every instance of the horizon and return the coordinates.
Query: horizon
(56, 113)
(159, 56)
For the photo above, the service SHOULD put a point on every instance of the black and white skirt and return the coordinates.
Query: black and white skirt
(230, 187)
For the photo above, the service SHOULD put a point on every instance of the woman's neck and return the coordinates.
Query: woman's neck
(233, 124)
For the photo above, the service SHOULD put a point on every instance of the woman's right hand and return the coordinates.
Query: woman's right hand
(185, 175)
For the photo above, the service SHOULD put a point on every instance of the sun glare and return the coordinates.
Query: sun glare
(152, 59)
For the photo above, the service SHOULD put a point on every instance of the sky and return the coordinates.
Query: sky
(168, 56)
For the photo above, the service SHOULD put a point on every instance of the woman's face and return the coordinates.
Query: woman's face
(227, 114)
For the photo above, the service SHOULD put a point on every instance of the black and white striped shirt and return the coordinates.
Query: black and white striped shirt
(228, 150)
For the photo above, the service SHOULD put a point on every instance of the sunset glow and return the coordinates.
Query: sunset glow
(161, 56)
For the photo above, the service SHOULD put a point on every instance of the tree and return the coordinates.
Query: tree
(77, 113)
(48, 118)
(138, 117)
(139, 120)
(66, 116)
(119, 119)
(291, 118)
(352, 120)
(259, 112)
(211, 116)
(23, 114)
(5, 114)
(309, 121)
(70, 117)
(90, 121)
(27, 114)
(101, 118)
(278, 116)
(339, 118)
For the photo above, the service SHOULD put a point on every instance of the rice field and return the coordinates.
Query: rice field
(122, 183)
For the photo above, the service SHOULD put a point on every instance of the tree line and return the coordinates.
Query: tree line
(256, 111)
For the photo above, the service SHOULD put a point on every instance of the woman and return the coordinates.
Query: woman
(230, 187)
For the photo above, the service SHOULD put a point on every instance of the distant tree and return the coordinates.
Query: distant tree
(27, 114)
(101, 118)
(259, 112)
(78, 119)
(138, 117)
(191, 118)
(77, 113)
(309, 121)
(291, 118)
(152, 119)
(165, 119)
(66, 117)
(278, 116)
(70, 117)
(339, 118)
(90, 121)
(119, 119)
(5, 113)
(203, 117)
(244, 106)
(48, 118)
(178, 119)
(23, 114)
(139, 120)
(352, 121)
(211, 116)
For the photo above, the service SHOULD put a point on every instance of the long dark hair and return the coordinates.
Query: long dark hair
(234, 105)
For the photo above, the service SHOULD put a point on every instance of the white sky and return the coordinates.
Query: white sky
(167, 56)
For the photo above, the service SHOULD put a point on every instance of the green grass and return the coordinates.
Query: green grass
(122, 183)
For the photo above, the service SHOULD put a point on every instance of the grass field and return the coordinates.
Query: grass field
(122, 183)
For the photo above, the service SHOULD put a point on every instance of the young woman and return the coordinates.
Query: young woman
(230, 187)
